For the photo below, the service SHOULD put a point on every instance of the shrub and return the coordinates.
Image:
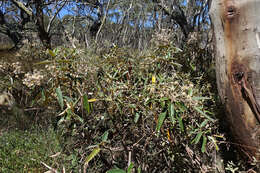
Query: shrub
(121, 110)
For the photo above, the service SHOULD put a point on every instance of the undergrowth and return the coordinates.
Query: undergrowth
(118, 111)
(31, 151)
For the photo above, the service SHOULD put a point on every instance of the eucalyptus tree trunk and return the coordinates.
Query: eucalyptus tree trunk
(237, 50)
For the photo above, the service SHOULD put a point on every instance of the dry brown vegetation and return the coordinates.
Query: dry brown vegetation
(156, 111)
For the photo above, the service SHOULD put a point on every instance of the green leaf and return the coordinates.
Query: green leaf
(139, 170)
(51, 53)
(180, 123)
(190, 92)
(116, 171)
(204, 123)
(171, 113)
(78, 117)
(43, 95)
(59, 97)
(197, 138)
(137, 116)
(181, 106)
(92, 155)
(130, 168)
(56, 51)
(43, 62)
(105, 136)
(68, 99)
(200, 98)
(204, 143)
(86, 103)
(160, 122)
(193, 67)
(203, 113)
(61, 121)
(214, 141)
(76, 102)
(164, 99)
(69, 113)
(162, 104)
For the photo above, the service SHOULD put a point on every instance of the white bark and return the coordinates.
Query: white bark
(237, 50)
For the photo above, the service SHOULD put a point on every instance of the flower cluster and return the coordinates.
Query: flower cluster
(17, 68)
(163, 37)
(32, 79)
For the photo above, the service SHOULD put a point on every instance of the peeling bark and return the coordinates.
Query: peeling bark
(237, 51)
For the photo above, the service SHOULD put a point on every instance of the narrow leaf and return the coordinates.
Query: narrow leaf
(59, 97)
(139, 170)
(160, 122)
(130, 168)
(197, 138)
(164, 99)
(68, 99)
(219, 136)
(204, 123)
(92, 100)
(51, 53)
(43, 95)
(204, 143)
(204, 114)
(69, 113)
(61, 121)
(86, 104)
(180, 123)
(171, 114)
(116, 171)
(190, 92)
(92, 155)
(78, 118)
(214, 141)
(153, 79)
(43, 62)
(193, 67)
(137, 116)
(200, 98)
(76, 102)
(181, 106)
(105, 136)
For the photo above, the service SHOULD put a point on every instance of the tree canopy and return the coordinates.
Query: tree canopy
(125, 23)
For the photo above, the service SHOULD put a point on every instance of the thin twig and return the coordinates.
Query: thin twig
(103, 21)
(47, 166)
(129, 158)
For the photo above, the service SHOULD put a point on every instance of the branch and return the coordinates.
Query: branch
(103, 21)
(21, 6)
(2, 18)
(200, 15)
(177, 15)
(54, 16)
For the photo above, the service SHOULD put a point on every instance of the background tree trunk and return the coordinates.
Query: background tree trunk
(237, 50)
